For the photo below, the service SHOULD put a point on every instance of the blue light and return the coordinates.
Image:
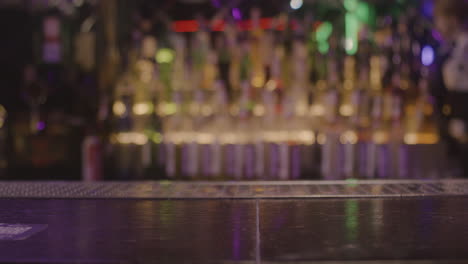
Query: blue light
(428, 8)
(427, 55)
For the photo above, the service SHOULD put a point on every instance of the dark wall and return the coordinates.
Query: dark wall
(16, 33)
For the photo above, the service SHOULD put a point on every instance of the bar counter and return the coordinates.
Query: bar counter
(234, 222)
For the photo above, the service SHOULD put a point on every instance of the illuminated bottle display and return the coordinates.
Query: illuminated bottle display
(256, 103)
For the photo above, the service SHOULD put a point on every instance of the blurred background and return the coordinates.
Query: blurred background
(220, 90)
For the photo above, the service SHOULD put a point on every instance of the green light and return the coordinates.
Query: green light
(170, 108)
(352, 30)
(324, 31)
(323, 47)
(157, 138)
(165, 183)
(165, 55)
(352, 182)
(352, 221)
(363, 12)
(350, 5)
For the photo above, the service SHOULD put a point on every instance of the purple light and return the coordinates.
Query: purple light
(40, 125)
(436, 35)
(236, 236)
(427, 55)
(236, 13)
(216, 3)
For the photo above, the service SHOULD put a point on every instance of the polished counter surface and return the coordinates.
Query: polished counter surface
(425, 228)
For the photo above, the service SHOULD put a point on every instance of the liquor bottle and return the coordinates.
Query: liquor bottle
(292, 76)
(257, 53)
(270, 123)
(349, 111)
(92, 150)
(295, 108)
(329, 158)
(376, 132)
(176, 136)
(137, 124)
(222, 135)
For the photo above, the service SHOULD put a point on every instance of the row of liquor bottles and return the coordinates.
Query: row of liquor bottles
(256, 107)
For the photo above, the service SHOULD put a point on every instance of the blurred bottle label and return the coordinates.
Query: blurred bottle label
(85, 50)
(92, 159)
(52, 46)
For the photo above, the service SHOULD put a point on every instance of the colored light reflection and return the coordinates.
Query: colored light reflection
(236, 235)
(352, 223)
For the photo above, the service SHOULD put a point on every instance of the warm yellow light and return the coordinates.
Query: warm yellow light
(228, 138)
(205, 138)
(119, 108)
(321, 85)
(234, 110)
(421, 138)
(321, 138)
(206, 110)
(146, 77)
(306, 137)
(146, 70)
(271, 85)
(142, 108)
(276, 136)
(281, 136)
(411, 139)
(349, 137)
(348, 84)
(259, 110)
(375, 76)
(380, 137)
(428, 109)
(178, 137)
(317, 110)
(346, 110)
(131, 138)
(258, 81)
(301, 109)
